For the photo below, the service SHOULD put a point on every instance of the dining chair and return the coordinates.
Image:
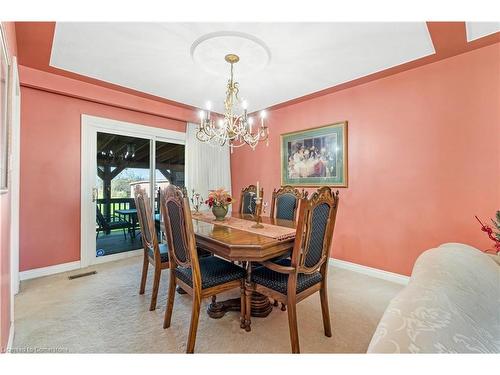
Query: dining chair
(247, 199)
(154, 252)
(285, 202)
(200, 277)
(291, 280)
(285, 205)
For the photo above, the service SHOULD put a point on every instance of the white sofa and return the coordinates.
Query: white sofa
(451, 305)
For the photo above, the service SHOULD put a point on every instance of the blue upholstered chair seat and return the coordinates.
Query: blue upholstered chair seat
(214, 271)
(279, 281)
(163, 252)
(285, 256)
(287, 262)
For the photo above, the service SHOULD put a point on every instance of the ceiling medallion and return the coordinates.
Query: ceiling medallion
(235, 127)
(254, 54)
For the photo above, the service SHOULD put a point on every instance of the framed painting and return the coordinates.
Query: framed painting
(315, 157)
(4, 119)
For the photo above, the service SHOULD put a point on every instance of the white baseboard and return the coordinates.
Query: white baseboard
(10, 341)
(50, 270)
(71, 266)
(374, 272)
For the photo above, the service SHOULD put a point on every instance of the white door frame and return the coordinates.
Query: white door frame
(14, 181)
(91, 125)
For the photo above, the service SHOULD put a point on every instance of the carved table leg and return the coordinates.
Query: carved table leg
(242, 304)
(248, 297)
(248, 308)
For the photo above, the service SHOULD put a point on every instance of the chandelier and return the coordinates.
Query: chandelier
(235, 127)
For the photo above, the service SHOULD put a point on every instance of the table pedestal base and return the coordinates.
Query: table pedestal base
(261, 307)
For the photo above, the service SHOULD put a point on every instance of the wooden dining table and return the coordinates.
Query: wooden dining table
(243, 247)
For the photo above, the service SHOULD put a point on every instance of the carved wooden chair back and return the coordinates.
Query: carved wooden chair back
(314, 231)
(179, 230)
(285, 202)
(247, 199)
(146, 221)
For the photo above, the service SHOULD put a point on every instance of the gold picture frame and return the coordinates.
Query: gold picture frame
(315, 157)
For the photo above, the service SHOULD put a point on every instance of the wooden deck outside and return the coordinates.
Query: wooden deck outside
(115, 243)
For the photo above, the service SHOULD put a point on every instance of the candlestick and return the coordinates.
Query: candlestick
(258, 190)
(196, 200)
(258, 214)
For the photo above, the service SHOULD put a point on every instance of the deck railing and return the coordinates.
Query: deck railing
(117, 204)
(114, 204)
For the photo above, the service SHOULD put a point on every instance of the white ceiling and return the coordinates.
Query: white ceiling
(476, 30)
(184, 62)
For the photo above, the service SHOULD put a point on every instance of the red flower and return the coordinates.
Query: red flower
(210, 201)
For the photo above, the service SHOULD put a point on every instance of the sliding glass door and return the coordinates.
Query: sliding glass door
(122, 160)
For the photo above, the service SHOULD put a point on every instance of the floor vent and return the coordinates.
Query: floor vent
(82, 275)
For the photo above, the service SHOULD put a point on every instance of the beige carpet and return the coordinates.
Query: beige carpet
(104, 313)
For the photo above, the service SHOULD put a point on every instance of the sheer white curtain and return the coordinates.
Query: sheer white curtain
(207, 167)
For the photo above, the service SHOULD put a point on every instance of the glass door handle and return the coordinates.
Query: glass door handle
(95, 194)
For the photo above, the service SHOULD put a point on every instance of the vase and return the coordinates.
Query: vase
(219, 212)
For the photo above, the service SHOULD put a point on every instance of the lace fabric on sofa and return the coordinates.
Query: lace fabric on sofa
(451, 305)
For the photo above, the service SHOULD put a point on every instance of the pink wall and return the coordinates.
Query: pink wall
(10, 36)
(50, 165)
(423, 158)
(31, 77)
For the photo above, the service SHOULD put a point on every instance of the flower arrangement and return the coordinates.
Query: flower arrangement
(218, 200)
(219, 197)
